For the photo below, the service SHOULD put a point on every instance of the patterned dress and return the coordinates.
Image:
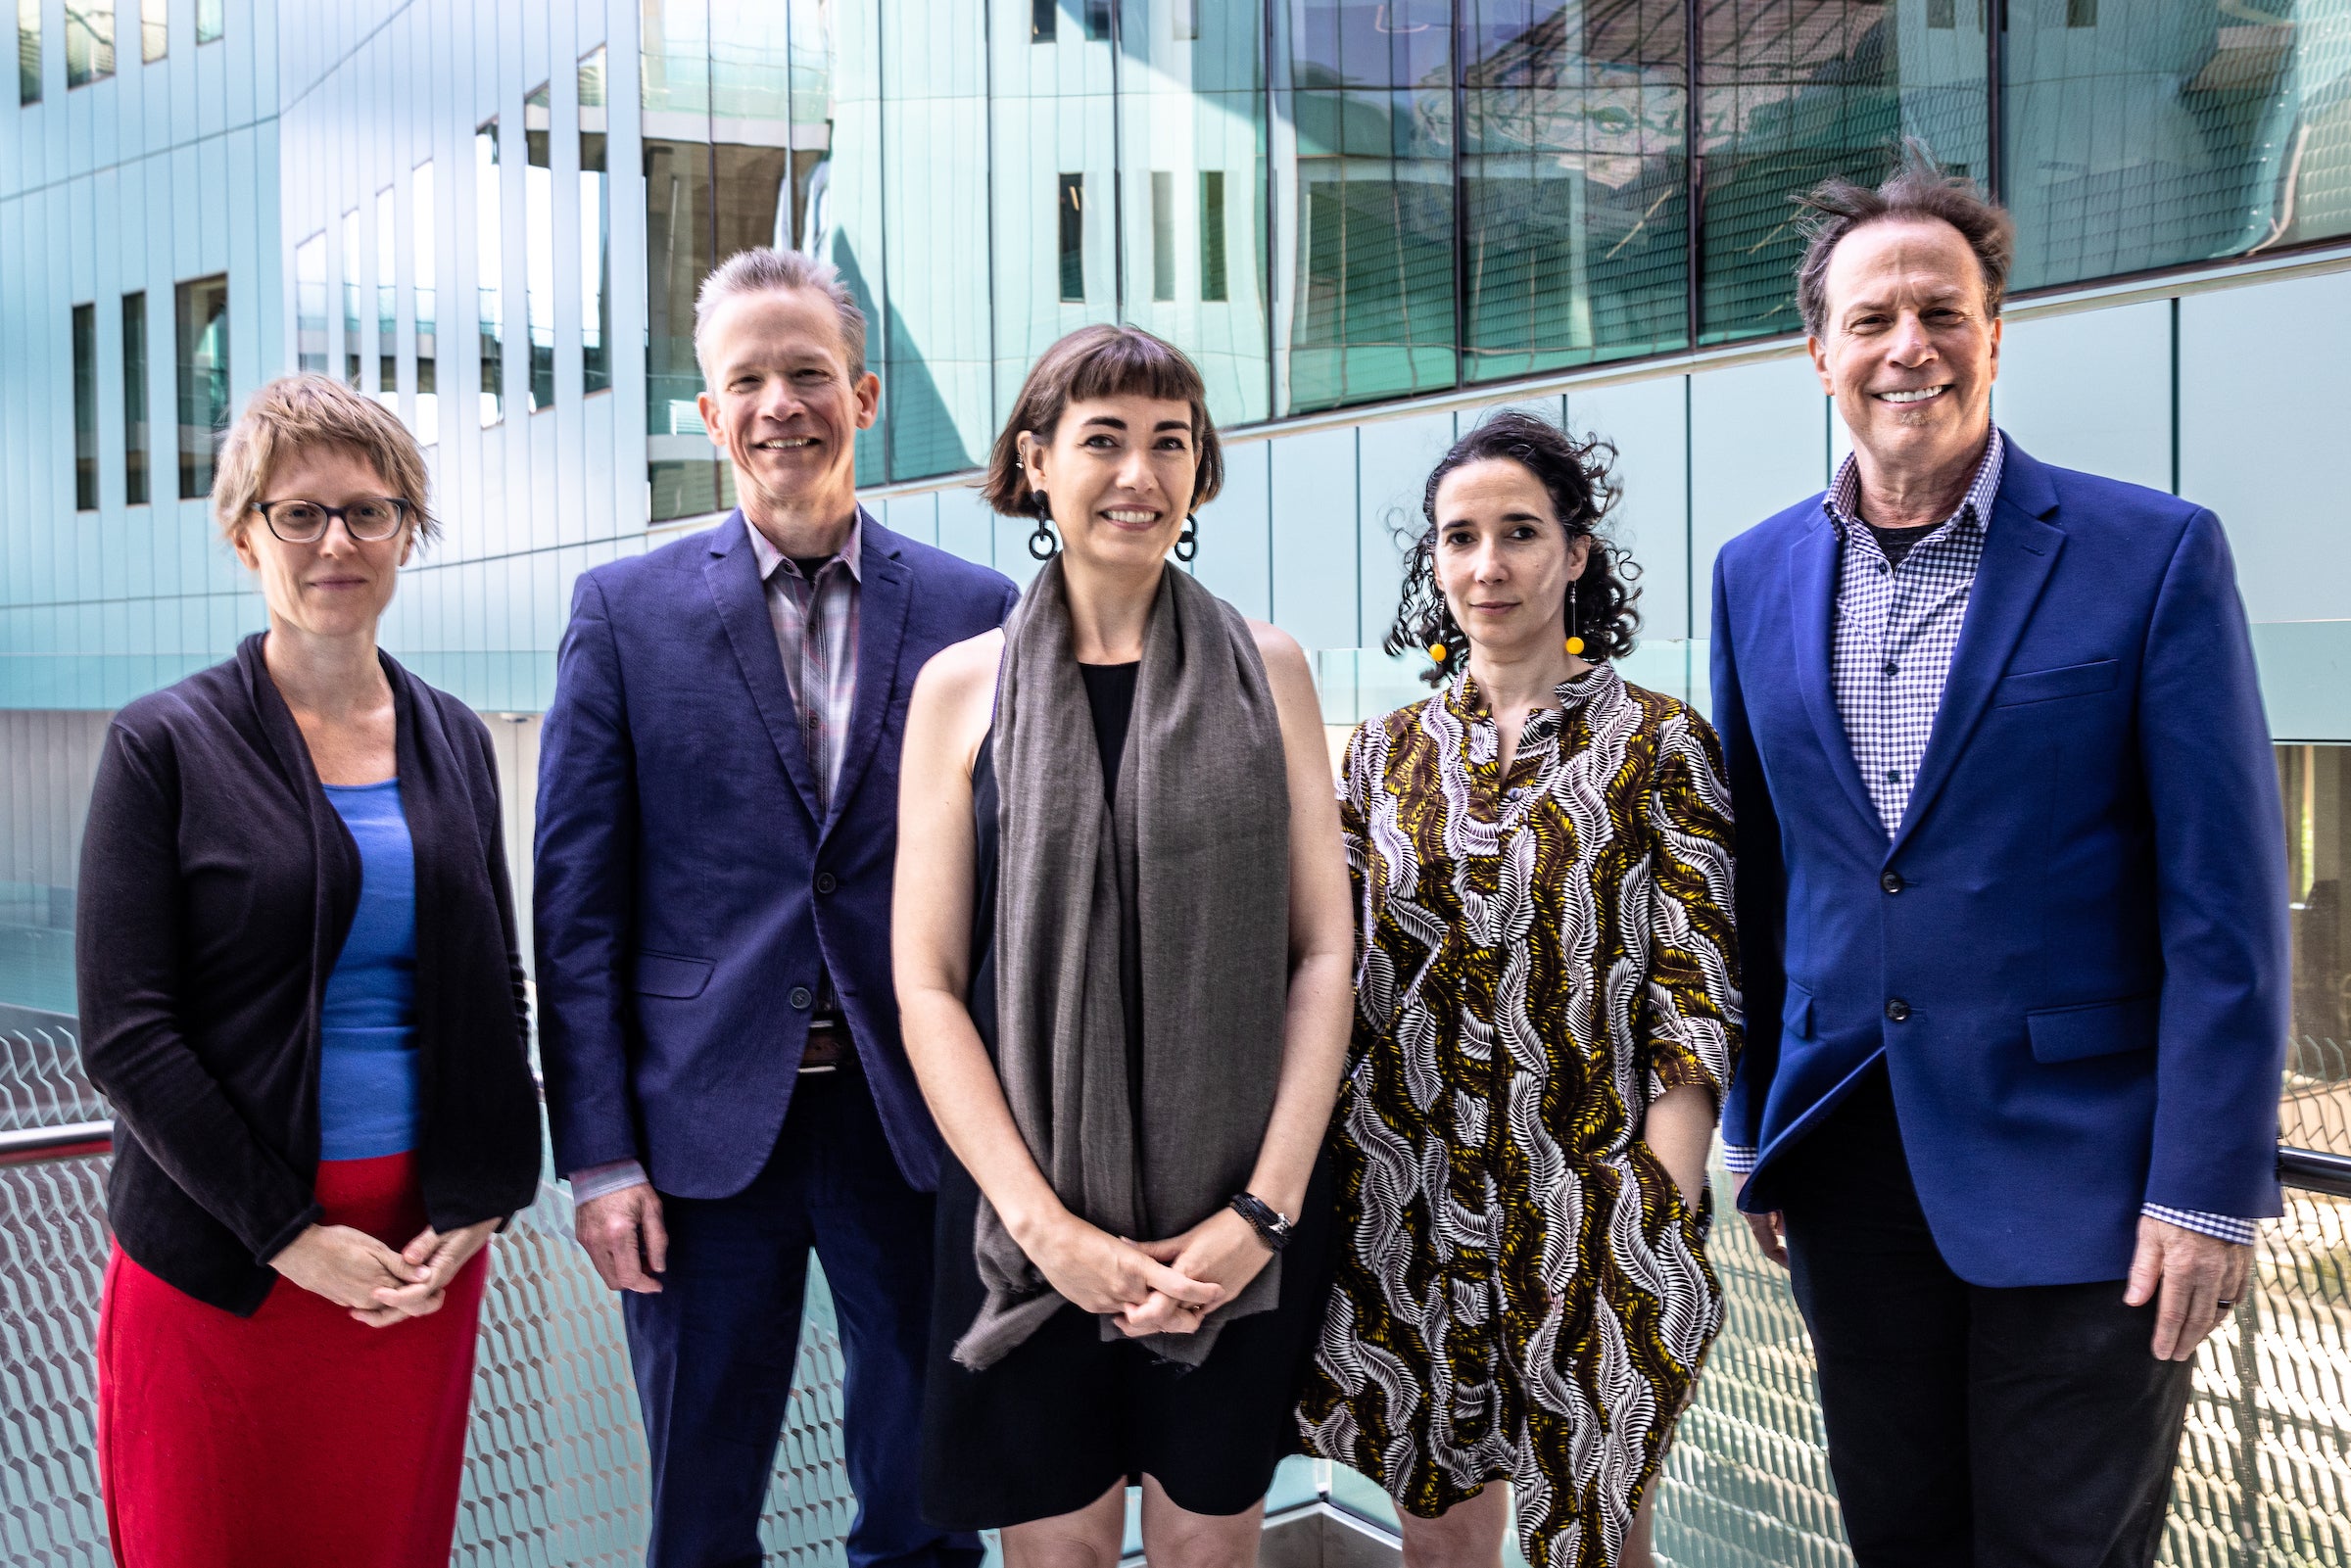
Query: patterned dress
(1521, 1293)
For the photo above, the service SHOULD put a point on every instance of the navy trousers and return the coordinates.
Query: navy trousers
(713, 1351)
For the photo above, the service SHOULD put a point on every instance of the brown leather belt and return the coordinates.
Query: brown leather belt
(828, 1048)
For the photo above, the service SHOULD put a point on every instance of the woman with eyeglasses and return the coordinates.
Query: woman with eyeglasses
(300, 991)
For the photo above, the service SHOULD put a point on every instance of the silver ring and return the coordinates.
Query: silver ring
(2224, 1305)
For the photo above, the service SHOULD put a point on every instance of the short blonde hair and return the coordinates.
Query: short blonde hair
(294, 412)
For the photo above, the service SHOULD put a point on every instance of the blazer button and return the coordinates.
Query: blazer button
(824, 882)
(1892, 882)
(801, 997)
(1896, 1009)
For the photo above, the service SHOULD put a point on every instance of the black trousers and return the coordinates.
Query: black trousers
(1968, 1427)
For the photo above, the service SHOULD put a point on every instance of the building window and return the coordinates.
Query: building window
(1044, 21)
(2083, 13)
(489, 261)
(310, 303)
(1072, 238)
(154, 29)
(89, 41)
(1163, 235)
(1212, 285)
(134, 398)
(208, 21)
(595, 231)
(351, 299)
(422, 281)
(1185, 21)
(2316, 784)
(1942, 13)
(1097, 20)
(28, 51)
(85, 408)
(387, 299)
(202, 322)
(538, 247)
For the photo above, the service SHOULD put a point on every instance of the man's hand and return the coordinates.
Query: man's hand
(1768, 1232)
(625, 1237)
(2193, 1279)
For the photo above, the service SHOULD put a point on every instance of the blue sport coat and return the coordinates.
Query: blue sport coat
(688, 893)
(2083, 909)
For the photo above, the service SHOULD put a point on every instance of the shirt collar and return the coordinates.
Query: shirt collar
(852, 550)
(1470, 704)
(1975, 508)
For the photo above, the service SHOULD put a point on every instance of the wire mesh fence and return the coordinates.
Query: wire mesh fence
(556, 1471)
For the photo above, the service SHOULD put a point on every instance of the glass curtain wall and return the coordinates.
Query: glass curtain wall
(489, 260)
(538, 243)
(387, 299)
(211, 21)
(134, 400)
(89, 41)
(310, 303)
(2315, 782)
(352, 352)
(29, 52)
(422, 280)
(85, 408)
(596, 231)
(203, 322)
(154, 29)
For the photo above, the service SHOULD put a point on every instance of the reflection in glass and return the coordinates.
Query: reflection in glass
(89, 41)
(387, 299)
(1367, 89)
(85, 408)
(2316, 784)
(595, 231)
(1071, 208)
(1790, 95)
(208, 21)
(134, 398)
(538, 247)
(352, 351)
(203, 323)
(29, 52)
(1212, 285)
(310, 303)
(428, 380)
(1163, 235)
(674, 77)
(1044, 21)
(1574, 192)
(2150, 135)
(488, 271)
(154, 29)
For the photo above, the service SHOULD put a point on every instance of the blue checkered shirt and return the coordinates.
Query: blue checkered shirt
(1897, 629)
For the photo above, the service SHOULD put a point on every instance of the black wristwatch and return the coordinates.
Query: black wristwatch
(1272, 1227)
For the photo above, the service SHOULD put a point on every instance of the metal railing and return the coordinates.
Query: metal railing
(555, 1470)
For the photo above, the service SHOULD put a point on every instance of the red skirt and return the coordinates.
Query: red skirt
(296, 1436)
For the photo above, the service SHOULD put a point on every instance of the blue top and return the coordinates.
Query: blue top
(367, 1084)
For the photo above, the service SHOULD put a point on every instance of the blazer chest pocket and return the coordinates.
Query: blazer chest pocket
(668, 975)
(2099, 1028)
(2048, 686)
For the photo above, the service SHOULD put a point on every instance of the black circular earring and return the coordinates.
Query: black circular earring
(1043, 545)
(1187, 544)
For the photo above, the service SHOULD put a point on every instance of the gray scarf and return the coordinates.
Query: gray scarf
(1194, 853)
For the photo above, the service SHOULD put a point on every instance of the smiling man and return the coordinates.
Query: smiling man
(718, 790)
(2012, 905)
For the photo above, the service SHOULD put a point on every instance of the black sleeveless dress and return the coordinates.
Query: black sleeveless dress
(1067, 1415)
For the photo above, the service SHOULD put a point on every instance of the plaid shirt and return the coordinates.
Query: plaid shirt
(816, 634)
(1896, 629)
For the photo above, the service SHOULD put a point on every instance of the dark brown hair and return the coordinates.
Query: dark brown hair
(1575, 475)
(1100, 361)
(1917, 189)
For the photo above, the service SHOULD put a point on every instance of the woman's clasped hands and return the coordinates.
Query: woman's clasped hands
(378, 1286)
(1153, 1287)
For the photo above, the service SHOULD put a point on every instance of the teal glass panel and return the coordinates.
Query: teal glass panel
(1574, 196)
(85, 408)
(203, 317)
(1790, 95)
(2143, 134)
(134, 398)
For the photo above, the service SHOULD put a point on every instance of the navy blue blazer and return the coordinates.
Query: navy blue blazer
(688, 893)
(2083, 908)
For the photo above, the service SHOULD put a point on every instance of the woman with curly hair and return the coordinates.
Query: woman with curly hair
(1547, 1016)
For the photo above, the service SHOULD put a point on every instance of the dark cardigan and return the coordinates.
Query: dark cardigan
(218, 884)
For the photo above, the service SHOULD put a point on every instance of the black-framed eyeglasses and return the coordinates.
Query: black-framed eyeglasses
(304, 522)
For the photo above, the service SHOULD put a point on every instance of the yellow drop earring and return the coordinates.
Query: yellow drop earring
(1575, 644)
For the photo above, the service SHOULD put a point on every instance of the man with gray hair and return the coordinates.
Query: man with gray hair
(2011, 900)
(718, 790)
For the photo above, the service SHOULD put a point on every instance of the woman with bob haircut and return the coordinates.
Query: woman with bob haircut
(1547, 1016)
(300, 991)
(1122, 950)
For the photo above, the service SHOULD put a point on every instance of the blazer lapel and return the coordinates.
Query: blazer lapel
(1812, 608)
(732, 576)
(2020, 550)
(885, 588)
